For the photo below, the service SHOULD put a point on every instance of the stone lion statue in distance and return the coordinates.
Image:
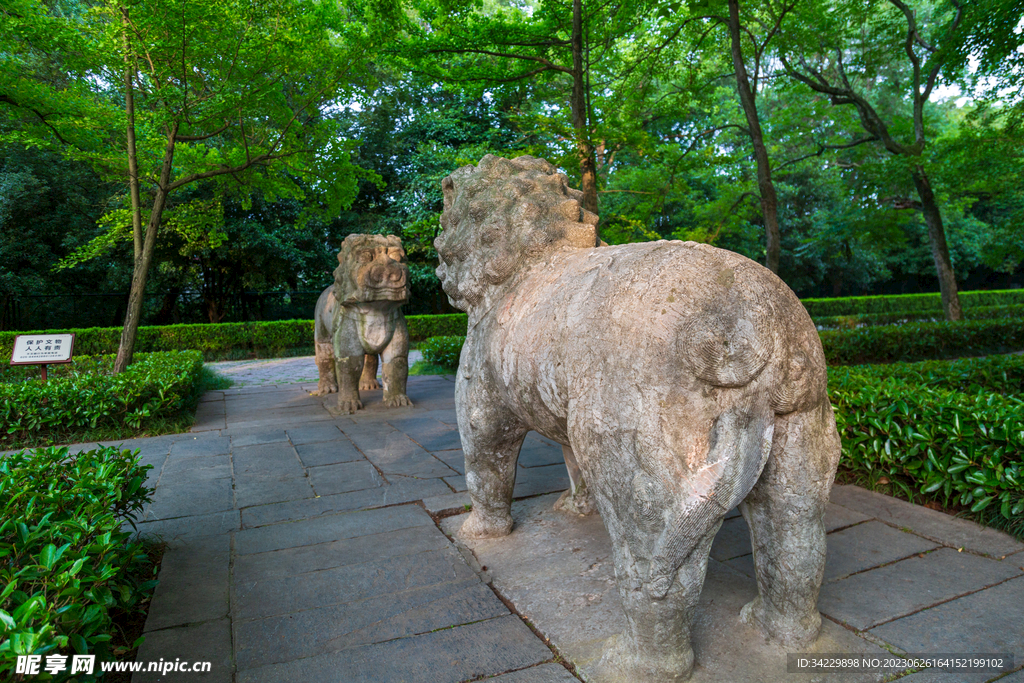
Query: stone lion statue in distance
(359, 317)
(732, 408)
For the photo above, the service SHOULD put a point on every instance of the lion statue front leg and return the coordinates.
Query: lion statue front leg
(396, 367)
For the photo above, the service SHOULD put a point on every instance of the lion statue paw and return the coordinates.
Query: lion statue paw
(397, 401)
(349, 406)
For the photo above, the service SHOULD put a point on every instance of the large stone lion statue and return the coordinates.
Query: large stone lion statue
(681, 379)
(359, 317)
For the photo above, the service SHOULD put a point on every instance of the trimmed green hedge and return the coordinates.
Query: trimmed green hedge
(977, 313)
(999, 374)
(920, 341)
(960, 449)
(86, 396)
(859, 305)
(259, 339)
(68, 567)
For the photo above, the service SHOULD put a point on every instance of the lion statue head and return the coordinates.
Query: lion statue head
(501, 215)
(371, 268)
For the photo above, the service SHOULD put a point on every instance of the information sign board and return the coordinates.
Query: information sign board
(42, 349)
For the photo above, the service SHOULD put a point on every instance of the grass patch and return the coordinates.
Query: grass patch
(422, 367)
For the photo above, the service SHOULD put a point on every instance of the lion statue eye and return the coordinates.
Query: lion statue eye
(365, 256)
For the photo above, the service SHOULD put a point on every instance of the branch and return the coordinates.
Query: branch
(224, 170)
(197, 138)
(546, 62)
(822, 148)
(40, 115)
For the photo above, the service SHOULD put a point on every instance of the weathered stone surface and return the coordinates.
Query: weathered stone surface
(329, 528)
(266, 597)
(938, 526)
(451, 501)
(372, 620)
(996, 624)
(202, 466)
(359, 317)
(454, 459)
(429, 433)
(838, 517)
(905, 587)
(732, 407)
(450, 655)
(194, 577)
(328, 452)
(206, 642)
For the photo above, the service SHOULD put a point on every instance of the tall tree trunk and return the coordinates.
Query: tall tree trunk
(769, 200)
(578, 107)
(126, 348)
(133, 162)
(937, 240)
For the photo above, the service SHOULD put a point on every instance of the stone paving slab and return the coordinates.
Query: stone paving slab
(213, 524)
(400, 490)
(329, 528)
(447, 656)
(896, 590)
(206, 642)
(301, 559)
(372, 620)
(194, 577)
(932, 524)
(344, 477)
(328, 452)
(987, 621)
(263, 489)
(545, 673)
(193, 498)
(268, 597)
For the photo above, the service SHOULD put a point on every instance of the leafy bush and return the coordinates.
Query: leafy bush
(86, 396)
(858, 305)
(957, 448)
(443, 351)
(915, 341)
(936, 315)
(67, 566)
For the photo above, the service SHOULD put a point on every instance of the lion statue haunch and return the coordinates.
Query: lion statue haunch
(360, 316)
(681, 379)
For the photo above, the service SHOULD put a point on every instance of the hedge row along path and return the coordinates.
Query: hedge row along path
(310, 546)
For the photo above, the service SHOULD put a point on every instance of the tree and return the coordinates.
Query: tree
(856, 62)
(227, 92)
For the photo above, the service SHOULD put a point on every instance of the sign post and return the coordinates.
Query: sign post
(43, 349)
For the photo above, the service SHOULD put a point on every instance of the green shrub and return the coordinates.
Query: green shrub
(155, 385)
(443, 351)
(425, 326)
(999, 374)
(858, 305)
(67, 566)
(961, 449)
(232, 340)
(935, 315)
(915, 341)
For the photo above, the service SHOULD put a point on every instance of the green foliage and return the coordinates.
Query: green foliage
(1001, 374)
(936, 315)
(67, 565)
(905, 303)
(425, 326)
(263, 339)
(156, 385)
(443, 351)
(961, 449)
(919, 341)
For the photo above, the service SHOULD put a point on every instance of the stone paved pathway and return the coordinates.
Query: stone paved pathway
(261, 372)
(308, 546)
